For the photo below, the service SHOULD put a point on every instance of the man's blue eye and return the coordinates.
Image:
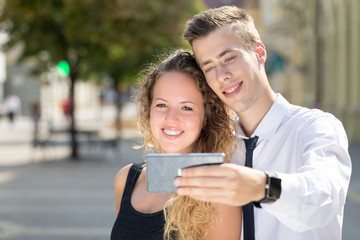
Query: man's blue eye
(229, 59)
(209, 69)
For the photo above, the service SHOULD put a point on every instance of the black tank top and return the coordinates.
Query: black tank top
(131, 224)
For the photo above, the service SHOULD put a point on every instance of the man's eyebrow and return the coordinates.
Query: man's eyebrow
(226, 51)
(219, 56)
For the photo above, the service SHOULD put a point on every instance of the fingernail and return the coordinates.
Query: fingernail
(179, 172)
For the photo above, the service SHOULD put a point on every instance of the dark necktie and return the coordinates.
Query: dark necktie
(248, 209)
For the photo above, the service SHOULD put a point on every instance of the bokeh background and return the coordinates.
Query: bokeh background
(68, 70)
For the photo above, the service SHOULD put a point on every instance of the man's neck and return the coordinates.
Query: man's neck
(251, 118)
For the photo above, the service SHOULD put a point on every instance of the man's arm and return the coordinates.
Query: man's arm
(226, 183)
(311, 196)
(315, 194)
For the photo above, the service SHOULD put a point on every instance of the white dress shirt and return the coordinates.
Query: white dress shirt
(308, 149)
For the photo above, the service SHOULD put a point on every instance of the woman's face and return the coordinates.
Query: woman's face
(177, 113)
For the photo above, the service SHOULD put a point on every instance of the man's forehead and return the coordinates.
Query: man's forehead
(202, 53)
(215, 44)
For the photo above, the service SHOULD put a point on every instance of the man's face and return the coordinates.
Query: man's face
(233, 72)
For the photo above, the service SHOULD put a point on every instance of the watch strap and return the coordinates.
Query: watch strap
(272, 189)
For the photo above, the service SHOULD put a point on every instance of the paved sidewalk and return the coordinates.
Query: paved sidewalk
(57, 200)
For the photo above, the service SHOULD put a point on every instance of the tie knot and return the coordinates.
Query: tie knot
(250, 143)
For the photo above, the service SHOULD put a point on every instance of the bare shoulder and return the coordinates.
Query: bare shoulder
(122, 174)
(119, 185)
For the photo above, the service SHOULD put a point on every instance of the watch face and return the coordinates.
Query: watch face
(275, 188)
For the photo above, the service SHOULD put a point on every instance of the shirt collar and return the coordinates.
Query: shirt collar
(271, 121)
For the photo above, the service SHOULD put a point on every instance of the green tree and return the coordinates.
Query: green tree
(113, 37)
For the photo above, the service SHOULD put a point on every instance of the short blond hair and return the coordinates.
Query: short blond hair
(212, 19)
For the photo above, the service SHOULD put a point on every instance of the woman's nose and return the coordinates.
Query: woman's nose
(172, 115)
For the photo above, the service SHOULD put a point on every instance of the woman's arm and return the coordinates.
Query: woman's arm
(119, 185)
(227, 223)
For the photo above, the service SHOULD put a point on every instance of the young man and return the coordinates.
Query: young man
(301, 166)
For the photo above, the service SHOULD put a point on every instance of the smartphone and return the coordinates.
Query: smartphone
(163, 168)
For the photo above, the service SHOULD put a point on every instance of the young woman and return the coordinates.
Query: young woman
(178, 114)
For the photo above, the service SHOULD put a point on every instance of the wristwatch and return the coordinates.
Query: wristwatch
(272, 189)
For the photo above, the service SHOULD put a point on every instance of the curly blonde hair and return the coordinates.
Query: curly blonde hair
(185, 217)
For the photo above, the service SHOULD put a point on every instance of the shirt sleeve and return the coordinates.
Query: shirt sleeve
(315, 194)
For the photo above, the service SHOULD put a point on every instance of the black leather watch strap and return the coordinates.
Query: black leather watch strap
(272, 189)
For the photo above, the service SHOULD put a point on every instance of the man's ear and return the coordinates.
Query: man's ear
(260, 52)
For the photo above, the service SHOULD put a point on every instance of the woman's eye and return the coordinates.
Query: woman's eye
(187, 108)
(160, 105)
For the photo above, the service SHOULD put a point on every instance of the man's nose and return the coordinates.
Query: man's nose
(223, 73)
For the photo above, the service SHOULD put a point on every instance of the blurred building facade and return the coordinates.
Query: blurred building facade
(19, 80)
(313, 52)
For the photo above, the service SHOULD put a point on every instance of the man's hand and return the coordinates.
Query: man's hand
(226, 183)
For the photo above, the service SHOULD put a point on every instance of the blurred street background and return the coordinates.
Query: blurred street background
(58, 199)
(67, 74)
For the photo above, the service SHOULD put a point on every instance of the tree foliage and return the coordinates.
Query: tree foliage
(113, 37)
